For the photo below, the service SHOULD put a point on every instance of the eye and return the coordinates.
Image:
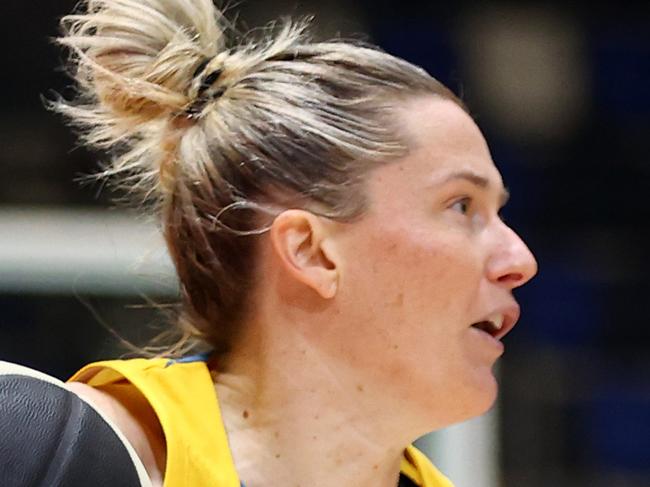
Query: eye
(462, 205)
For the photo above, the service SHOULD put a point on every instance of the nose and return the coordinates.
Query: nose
(511, 264)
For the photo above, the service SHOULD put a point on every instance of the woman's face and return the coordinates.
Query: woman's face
(430, 258)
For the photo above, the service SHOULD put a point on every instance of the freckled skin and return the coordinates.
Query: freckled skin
(434, 271)
(349, 379)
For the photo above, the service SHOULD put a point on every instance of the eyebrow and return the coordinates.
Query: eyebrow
(476, 179)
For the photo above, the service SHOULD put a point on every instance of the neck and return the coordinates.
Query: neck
(294, 418)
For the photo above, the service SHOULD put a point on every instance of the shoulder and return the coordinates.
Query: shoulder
(133, 416)
(162, 405)
(102, 401)
(54, 436)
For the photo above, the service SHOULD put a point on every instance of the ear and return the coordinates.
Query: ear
(303, 242)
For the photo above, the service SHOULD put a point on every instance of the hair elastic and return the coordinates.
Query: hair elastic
(197, 106)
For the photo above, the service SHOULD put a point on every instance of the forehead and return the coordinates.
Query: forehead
(443, 141)
(441, 132)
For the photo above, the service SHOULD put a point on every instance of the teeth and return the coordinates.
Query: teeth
(496, 319)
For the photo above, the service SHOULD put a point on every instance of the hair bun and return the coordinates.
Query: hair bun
(133, 60)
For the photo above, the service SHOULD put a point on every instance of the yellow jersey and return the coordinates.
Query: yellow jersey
(182, 395)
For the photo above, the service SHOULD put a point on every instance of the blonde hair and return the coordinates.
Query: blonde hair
(218, 132)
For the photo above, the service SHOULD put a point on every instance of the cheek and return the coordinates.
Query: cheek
(408, 281)
(404, 298)
(426, 271)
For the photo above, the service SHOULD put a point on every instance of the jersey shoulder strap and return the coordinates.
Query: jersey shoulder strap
(182, 395)
(417, 467)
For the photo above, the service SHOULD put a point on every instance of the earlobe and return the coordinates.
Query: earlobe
(302, 243)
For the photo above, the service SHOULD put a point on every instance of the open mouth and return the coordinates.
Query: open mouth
(498, 324)
(489, 327)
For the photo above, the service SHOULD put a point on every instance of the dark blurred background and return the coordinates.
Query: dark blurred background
(562, 95)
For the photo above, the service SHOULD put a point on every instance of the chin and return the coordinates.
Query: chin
(478, 396)
(485, 395)
(463, 401)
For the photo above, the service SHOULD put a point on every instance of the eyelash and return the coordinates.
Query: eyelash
(468, 201)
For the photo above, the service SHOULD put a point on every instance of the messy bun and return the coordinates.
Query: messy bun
(133, 63)
(221, 134)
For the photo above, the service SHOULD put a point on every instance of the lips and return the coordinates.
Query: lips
(499, 322)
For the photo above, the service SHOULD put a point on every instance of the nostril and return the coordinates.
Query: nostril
(512, 278)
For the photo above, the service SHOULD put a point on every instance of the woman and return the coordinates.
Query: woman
(333, 215)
